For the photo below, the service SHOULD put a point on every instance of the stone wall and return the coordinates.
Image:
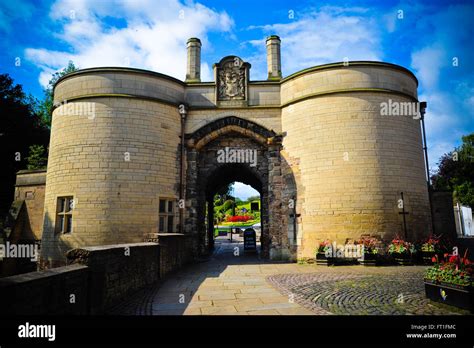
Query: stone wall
(122, 81)
(24, 221)
(117, 270)
(173, 251)
(267, 117)
(59, 291)
(30, 187)
(338, 77)
(443, 214)
(97, 278)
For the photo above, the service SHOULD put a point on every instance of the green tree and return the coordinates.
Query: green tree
(225, 190)
(45, 107)
(253, 198)
(456, 172)
(222, 194)
(37, 157)
(20, 127)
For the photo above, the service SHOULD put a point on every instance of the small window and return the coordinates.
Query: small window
(170, 223)
(162, 206)
(162, 223)
(166, 222)
(65, 206)
(29, 195)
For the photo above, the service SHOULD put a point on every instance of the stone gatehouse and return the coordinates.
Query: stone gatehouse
(135, 152)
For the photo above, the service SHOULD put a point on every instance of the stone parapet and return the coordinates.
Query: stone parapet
(117, 270)
(173, 251)
(58, 291)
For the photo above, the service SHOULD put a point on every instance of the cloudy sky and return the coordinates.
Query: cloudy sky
(433, 38)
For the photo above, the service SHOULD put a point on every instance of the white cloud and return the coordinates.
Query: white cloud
(322, 36)
(244, 191)
(428, 62)
(45, 76)
(144, 35)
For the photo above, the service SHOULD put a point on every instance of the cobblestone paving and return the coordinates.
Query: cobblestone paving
(140, 303)
(384, 291)
(243, 284)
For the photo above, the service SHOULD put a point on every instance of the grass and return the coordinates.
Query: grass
(246, 205)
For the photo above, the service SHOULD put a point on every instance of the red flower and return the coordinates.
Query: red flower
(433, 259)
(239, 218)
(325, 243)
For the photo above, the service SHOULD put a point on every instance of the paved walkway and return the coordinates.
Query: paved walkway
(242, 284)
(227, 284)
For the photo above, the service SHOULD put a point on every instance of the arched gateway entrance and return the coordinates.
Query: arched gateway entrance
(223, 176)
(233, 149)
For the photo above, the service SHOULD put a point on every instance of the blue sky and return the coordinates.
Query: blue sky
(39, 38)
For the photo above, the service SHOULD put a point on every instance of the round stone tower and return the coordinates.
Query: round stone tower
(112, 157)
(354, 152)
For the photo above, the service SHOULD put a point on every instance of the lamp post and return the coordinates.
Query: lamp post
(425, 151)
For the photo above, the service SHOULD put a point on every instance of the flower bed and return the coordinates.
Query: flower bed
(451, 281)
(431, 247)
(321, 258)
(333, 255)
(402, 251)
(370, 251)
(239, 218)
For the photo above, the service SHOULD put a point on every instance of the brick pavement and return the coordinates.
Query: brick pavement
(245, 285)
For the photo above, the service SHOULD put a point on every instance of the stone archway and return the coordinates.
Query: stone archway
(268, 174)
(226, 174)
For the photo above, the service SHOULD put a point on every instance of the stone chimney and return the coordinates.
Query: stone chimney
(273, 58)
(193, 71)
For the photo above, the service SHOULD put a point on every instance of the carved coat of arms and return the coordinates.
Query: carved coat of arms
(231, 80)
